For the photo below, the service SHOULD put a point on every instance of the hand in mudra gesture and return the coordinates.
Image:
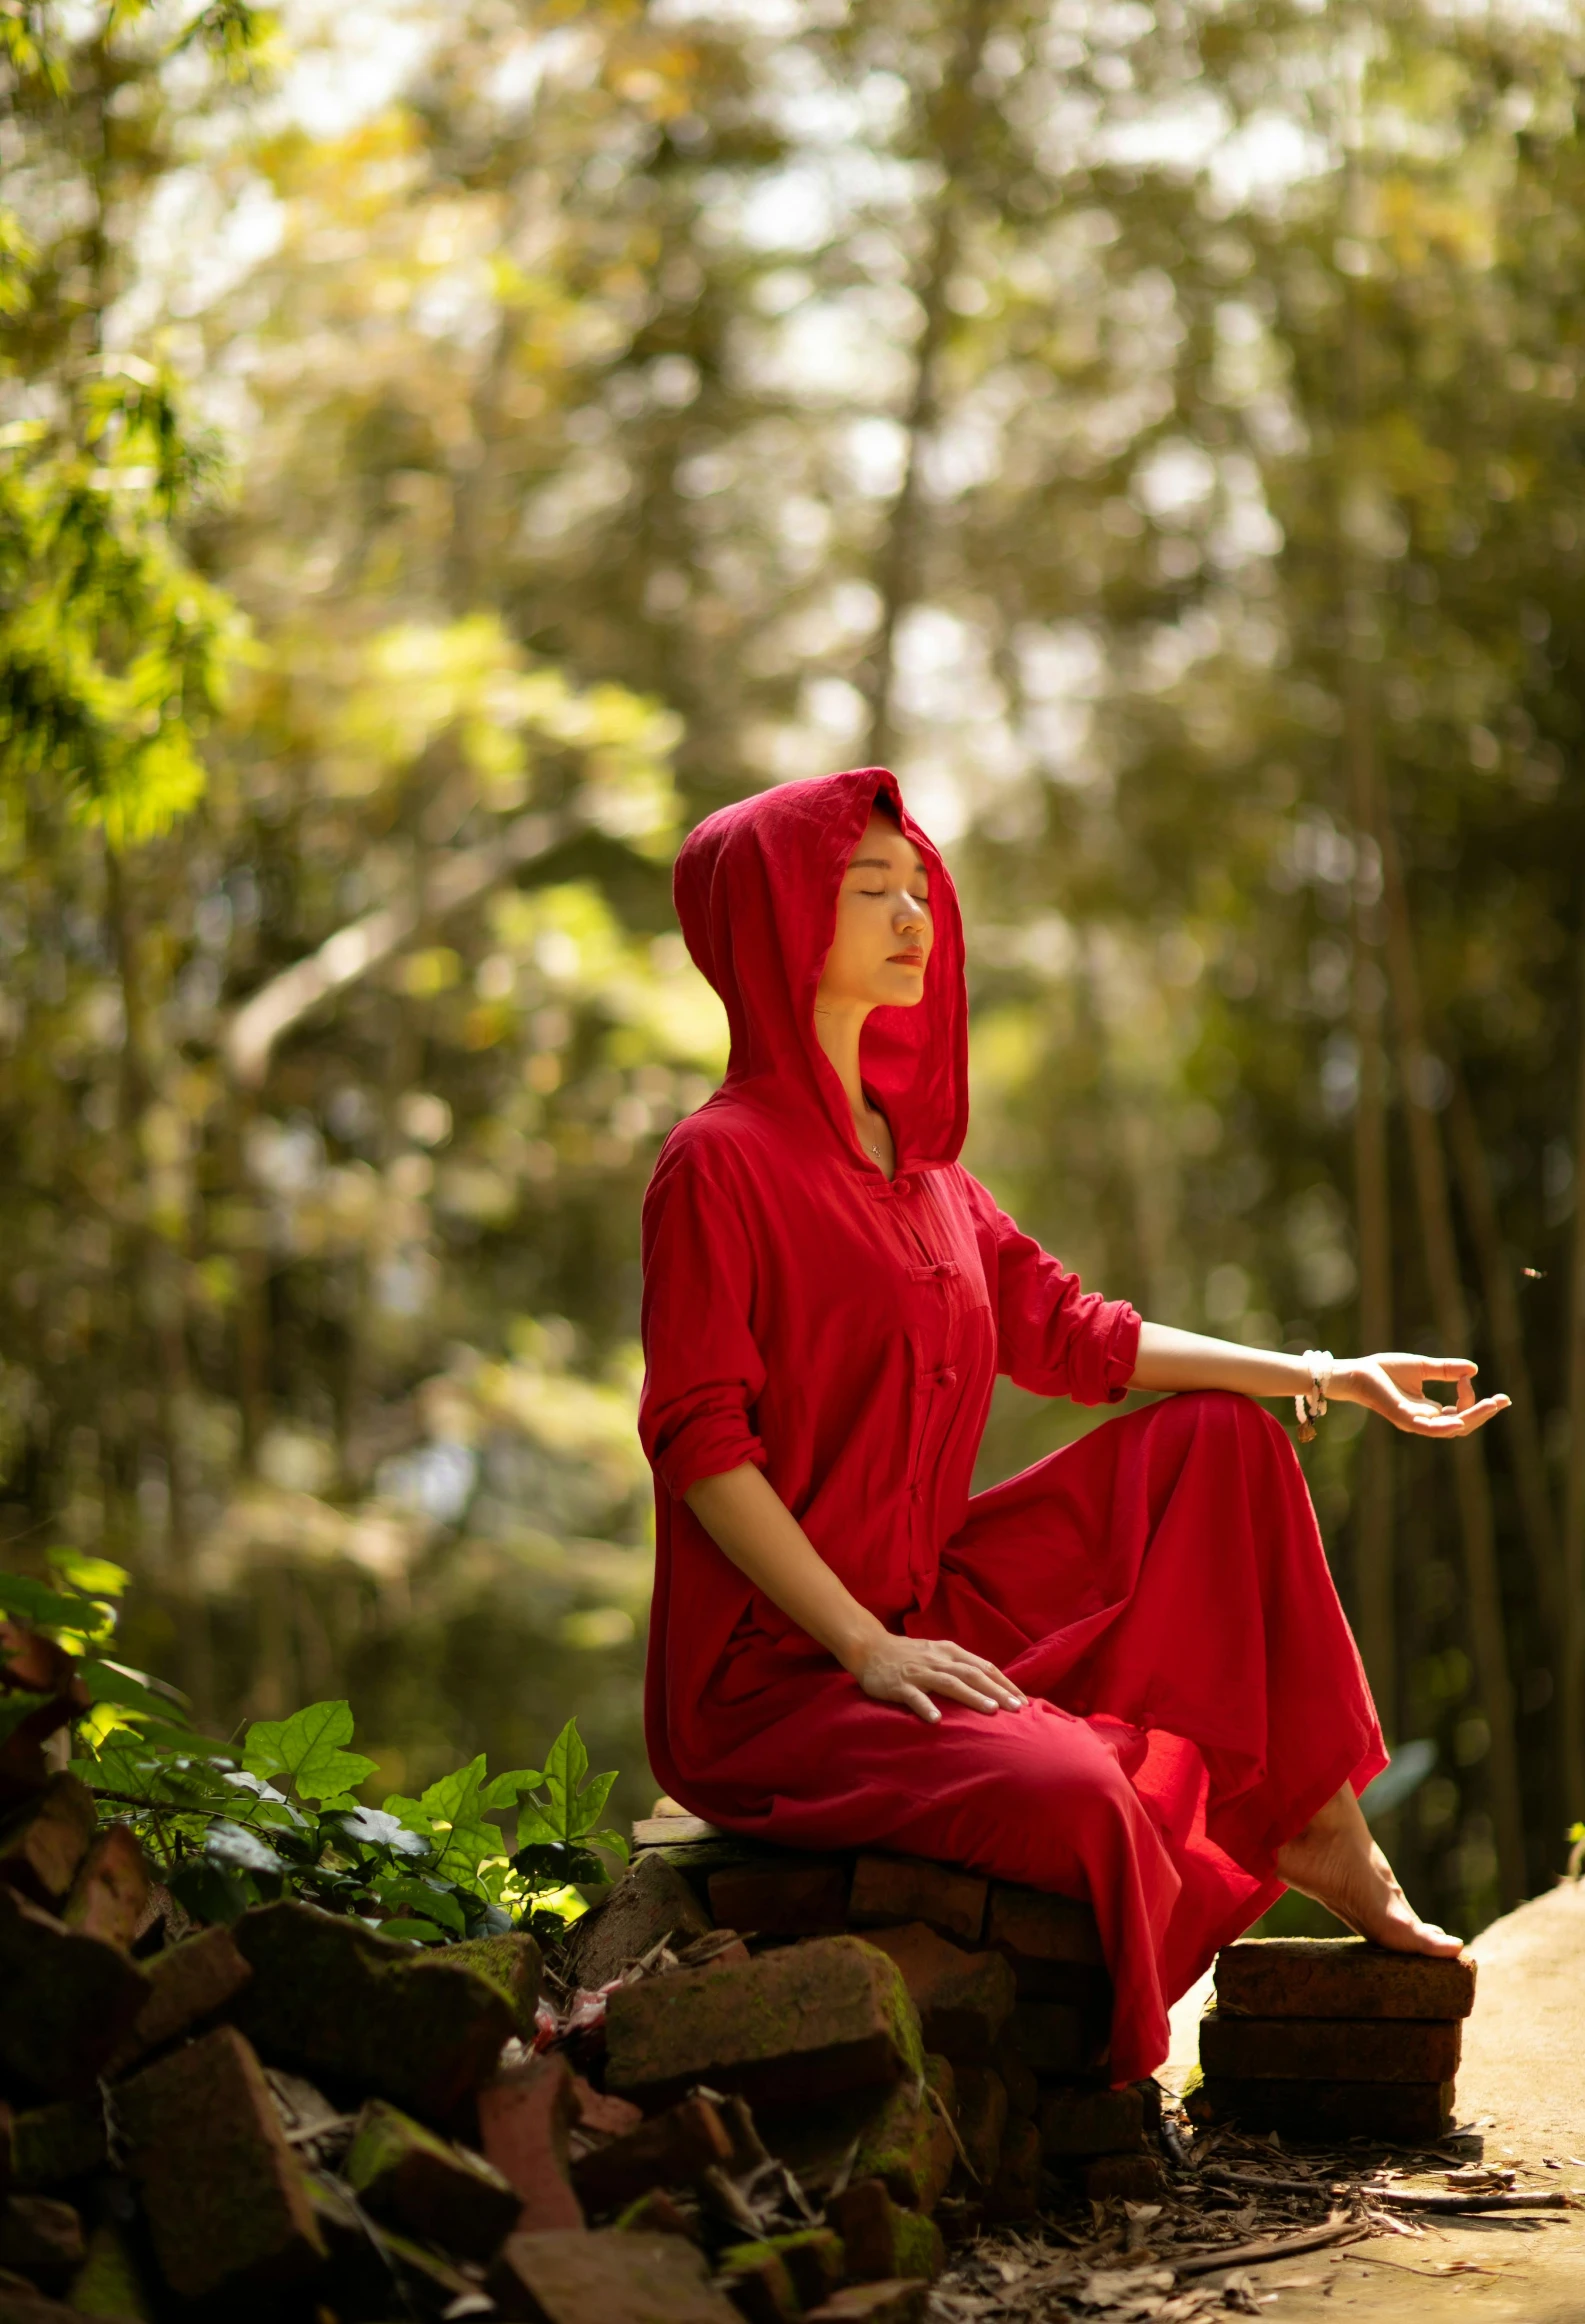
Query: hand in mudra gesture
(910, 1670)
(1394, 1386)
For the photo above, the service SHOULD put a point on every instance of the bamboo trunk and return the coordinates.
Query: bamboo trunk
(1433, 1196)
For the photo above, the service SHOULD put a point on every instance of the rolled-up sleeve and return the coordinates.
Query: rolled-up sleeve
(1054, 1337)
(703, 1371)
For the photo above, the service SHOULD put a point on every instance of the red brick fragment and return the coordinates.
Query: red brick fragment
(1092, 2122)
(1132, 2178)
(33, 1664)
(525, 2123)
(190, 1981)
(1043, 1928)
(225, 2196)
(671, 2150)
(1014, 2193)
(905, 2300)
(982, 2119)
(1023, 2089)
(606, 2278)
(1340, 1977)
(963, 1999)
(42, 2237)
(600, 2113)
(43, 1843)
(650, 1903)
(68, 2000)
(755, 2280)
(1058, 2040)
(657, 2214)
(879, 2239)
(1406, 2113)
(791, 1897)
(427, 2185)
(110, 1894)
(889, 1890)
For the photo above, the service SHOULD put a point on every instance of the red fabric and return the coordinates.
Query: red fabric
(1159, 1588)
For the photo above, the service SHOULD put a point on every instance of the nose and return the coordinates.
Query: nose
(910, 914)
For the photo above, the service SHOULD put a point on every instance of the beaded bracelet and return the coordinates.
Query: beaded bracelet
(1309, 1405)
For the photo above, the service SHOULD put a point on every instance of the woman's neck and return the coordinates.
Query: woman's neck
(837, 1030)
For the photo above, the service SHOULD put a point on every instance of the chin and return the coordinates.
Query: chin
(902, 989)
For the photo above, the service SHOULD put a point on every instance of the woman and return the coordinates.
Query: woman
(1123, 1675)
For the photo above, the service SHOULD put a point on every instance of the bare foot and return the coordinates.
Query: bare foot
(1335, 1860)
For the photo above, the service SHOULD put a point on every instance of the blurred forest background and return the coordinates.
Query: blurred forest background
(448, 449)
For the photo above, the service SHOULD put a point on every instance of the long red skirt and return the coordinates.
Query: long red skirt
(1160, 1591)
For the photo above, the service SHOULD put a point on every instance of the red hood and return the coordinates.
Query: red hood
(756, 892)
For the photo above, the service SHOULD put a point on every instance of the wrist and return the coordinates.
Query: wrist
(858, 1642)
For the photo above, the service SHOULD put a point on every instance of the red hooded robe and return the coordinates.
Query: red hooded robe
(1158, 1588)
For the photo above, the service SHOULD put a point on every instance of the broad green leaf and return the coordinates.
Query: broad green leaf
(422, 1896)
(455, 1798)
(307, 1749)
(504, 1791)
(240, 1850)
(95, 1577)
(378, 1829)
(47, 1609)
(421, 1932)
(133, 1690)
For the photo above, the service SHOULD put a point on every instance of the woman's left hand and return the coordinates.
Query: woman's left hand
(1394, 1386)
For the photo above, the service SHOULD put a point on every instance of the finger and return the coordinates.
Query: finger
(920, 1704)
(1463, 1423)
(983, 1673)
(958, 1690)
(1446, 1368)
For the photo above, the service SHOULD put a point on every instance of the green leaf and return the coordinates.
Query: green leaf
(47, 1609)
(422, 1932)
(133, 1690)
(96, 1577)
(504, 1791)
(377, 1828)
(422, 1896)
(568, 1813)
(240, 1850)
(306, 1748)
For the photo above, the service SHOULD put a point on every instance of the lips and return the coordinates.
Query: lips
(905, 960)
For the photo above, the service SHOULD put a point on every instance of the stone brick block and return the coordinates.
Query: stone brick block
(657, 2214)
(52, 2145)
(1329, 2049)
(1023, 2090)
(600, 2114)
(982, 2119)
(879, 2239)
(897, 2137)
(903, 2301)
(1403, 2112)
(1014, 2193)
(525, 2126)
(1339, 1977)
(674, 1832)
(812, 2022)
(43, 1842)
(511, 1961)
(890, 1890)
(1027, 1921)
(650, 1903)
(811, 2258)
(42, 2237)
(366, 2013)
(1091, 2122)
(189, 1982)
(963, 1999)
(1130, 2178)
(438, 2191)
(32, 1664)
(791, 1897)
(68, 2000)
(1058, 2040)
(671, 2150)
(225, 2196)
(755, 2280)
(606, 2278)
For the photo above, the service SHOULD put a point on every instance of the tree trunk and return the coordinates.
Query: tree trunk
(1433, 1198)
(1572, 1691)
(897, 566)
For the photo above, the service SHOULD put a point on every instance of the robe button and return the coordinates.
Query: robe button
(947, 1379)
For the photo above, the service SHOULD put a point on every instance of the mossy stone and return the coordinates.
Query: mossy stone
(443, 2193)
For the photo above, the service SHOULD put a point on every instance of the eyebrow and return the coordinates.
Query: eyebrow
(884, 863)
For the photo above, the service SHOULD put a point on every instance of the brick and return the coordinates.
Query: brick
(671, 2150)
(511, 1961)
(755, 2280)
(790, 1898)
(963, 1999)
(1339, 1977)
(812, 2258)
(982, 2119)
(111, 2282)
(610, 2276)
(905, 2300)
(889, 1890)
(1091, 2122)
(1059, 2041)
(190, 1982)
(51, 2145)
(674, 1832)
(372, 2271)
(110, 1895)
(1402, 2112)
(330, 1999)
(43, 1842)
(651, 1902)
(812, 2022)
(1014, 2193)
(525, 2124)
(1023, 2090)
(1329, 2049)
(225, 2196)
(68, 2000)
(657, 2214)
(1027, 1921)
(880, 2240)
(42, 2237)
(600, 2114)
(33, 1664)
(897, 2137)
(438, 2191)
(1128, 2178)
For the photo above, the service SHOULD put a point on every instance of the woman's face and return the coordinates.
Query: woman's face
(884, 930)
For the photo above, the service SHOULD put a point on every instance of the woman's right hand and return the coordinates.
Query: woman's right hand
(910, 1670)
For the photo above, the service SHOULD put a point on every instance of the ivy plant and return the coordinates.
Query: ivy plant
(276, 1813)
